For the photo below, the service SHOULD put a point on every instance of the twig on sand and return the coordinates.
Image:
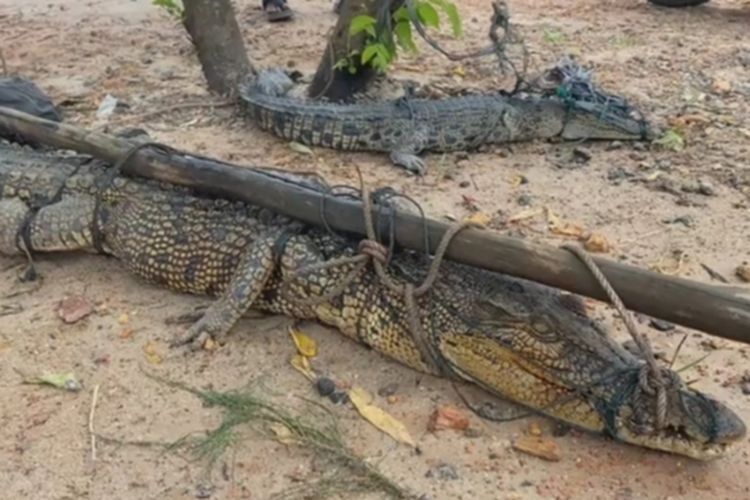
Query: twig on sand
(91, 422)
(177, 107)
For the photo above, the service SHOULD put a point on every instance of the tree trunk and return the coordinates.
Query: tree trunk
(217, 38)
(338, 84)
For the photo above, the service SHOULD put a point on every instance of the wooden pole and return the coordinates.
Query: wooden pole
(719, 310)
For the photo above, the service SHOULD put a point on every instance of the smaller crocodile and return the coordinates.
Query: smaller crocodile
(408, 126)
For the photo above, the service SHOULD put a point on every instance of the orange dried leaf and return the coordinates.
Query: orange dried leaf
(539, 447)
(448, 417)
(479, 218)
(597, 243)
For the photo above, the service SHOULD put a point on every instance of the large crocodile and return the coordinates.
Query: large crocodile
(407, 127)
(521, 341)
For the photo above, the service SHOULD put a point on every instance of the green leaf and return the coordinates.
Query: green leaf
(362, 23)
(401, 14)
(402, 30)
(451, 11)
(369, 52)
(428, 15)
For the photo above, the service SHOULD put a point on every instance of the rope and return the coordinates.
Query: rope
(370, 250)
(652, 378)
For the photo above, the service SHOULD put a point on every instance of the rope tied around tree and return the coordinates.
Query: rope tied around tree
(370, 250)
(653, 379)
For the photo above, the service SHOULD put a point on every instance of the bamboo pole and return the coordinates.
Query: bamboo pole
(723, 311)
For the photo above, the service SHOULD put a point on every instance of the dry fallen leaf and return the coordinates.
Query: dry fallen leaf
(721, 86)
(557, 226)
(743, 272)
(684, 121)
(300, 148)
(302, 365)
(459, 71)
(448, 417)
(539, 447)
(378, 417)
(525, 214)
(479, 218)
(306, 346)
(126, 333)
(597, 243)
(152, 356)
(123, 318)
(66, 381)
(74, 308)
(282, 433)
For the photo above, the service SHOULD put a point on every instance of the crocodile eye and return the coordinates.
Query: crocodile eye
(543, 330)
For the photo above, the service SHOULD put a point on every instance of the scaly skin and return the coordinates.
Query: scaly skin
(521, 341)
(407, 127)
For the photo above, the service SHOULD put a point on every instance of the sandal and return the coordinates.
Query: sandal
(277, 10)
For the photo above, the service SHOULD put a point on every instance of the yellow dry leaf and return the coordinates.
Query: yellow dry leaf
(362, 400)
(557, 226)
(123, 318)
(302, 365)
(152, 356)
(479, 218)
(306, 346)
(459, 71)
(597, 243)
(300, 148)
(282, 433)
(526, 214)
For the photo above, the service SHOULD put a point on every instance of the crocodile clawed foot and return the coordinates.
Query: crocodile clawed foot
(201, 334)
(410, 162)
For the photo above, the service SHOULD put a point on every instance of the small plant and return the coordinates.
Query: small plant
(173, 7)
(381, 45)
(672, 140)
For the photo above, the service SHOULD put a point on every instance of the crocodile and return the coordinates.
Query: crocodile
(527, 343)
(408, 126)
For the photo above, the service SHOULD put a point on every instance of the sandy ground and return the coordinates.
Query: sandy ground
(672, 63)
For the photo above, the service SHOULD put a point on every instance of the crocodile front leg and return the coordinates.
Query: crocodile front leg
(247, 283)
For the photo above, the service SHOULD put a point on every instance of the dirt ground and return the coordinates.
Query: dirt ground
(690, 65)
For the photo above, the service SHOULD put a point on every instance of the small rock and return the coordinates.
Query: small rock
(537, 446)
(325, 386)
(639, 146)
(534, 429)
(74, 308)
(581, 155)
(661, 325)
(443, 471)
(706, 188)
(204, 490)
(448, 417)
(743, 272)
(745, 387)
(614, 145)
(709, 344)
(464, 184)
(524, 200)
(388, 390)
(618, 174)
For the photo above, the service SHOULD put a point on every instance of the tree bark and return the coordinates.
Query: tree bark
(719, 310)
(214, 30)
(340, 84)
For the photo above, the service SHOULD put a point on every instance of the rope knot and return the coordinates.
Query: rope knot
(374, 249)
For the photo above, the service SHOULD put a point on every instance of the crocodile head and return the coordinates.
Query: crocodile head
(587, 120)
(534, 346)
